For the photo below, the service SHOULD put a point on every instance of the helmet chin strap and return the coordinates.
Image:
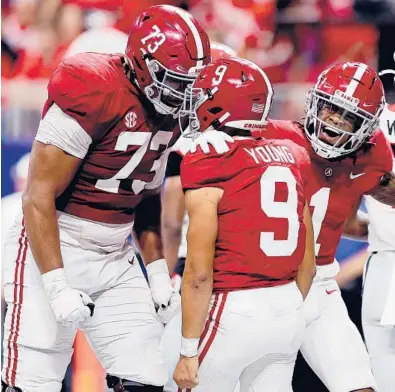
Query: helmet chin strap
(129, 70)
(168, 111)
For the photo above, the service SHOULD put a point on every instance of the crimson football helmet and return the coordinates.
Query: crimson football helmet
(231, 92)
(219, 51)
(353, 90)
(167, 48)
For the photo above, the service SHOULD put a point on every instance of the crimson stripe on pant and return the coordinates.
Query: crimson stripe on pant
(16, 311)
(215, 323)
(209, 319)
(214, 330)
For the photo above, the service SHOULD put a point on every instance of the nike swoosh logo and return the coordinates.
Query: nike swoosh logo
(329, 292)
(354, 176)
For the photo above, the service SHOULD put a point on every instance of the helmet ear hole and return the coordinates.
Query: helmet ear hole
(244, 77)
(215, 110)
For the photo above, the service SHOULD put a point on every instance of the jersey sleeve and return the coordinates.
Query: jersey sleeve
(79, 88)
(63, 131)
(199, 170)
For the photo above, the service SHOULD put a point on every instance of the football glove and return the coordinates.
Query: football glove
(70, 306)
(217, 139)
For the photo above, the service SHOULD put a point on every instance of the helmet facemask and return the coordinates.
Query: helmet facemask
(194, 98)
(167, 90)
(330, 140)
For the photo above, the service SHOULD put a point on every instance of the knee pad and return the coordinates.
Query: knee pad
(6, 388)
(121, 385)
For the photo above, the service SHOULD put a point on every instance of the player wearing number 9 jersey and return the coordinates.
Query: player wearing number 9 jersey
(98, 158)
(249, 239)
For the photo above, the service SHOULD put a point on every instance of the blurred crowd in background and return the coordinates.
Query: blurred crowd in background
(292, 40)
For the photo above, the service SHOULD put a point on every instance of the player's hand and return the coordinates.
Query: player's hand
(70, 306)
(186, 371)
(166, 314)
(160, 283)
(216, 139)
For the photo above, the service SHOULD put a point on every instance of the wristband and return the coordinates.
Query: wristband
(189, 347)
(52, 276)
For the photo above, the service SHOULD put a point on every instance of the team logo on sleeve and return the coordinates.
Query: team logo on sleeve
(130, 119)
(328, 171)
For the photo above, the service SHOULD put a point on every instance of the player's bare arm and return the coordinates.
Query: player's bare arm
(356, 226)
(385, 192)
(172, 218)
(201, 205)
(146, 229)
(197, 284)
(50, 172)
(307, 267)
(147, 235)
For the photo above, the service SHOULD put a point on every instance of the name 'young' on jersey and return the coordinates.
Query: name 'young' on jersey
(261, 234)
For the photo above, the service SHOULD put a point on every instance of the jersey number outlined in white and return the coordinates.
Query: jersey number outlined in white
(142, 139)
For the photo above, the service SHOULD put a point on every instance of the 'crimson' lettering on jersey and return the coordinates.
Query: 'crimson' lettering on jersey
(261, 234)
(130, 140)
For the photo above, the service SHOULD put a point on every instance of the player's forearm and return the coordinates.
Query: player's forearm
(42, 231)
(351, 269)
(307, 268)
(304, 278)
(146, 230)
(195, 293)
(197, 282)
(149, 244)
(173, 211)
(171, 244)
(356, 228)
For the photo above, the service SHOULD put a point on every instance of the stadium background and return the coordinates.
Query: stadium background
(292, 40)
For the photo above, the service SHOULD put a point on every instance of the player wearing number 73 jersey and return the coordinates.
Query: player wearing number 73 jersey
(349, 158)
(97, 164)
(249, 239)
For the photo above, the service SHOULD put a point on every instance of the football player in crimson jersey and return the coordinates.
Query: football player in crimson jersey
(350, 157)
(250, 259)
(175, 225)
(174, 218)
(97, 164)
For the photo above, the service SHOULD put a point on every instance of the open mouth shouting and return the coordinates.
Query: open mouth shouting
(338, 125)
(330, 135)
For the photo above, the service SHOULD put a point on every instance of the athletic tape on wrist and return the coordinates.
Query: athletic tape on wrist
(189, 347)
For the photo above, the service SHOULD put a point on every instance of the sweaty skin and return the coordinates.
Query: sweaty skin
(197, 283)
(172, 218)
(51, 171)
(307, 268)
